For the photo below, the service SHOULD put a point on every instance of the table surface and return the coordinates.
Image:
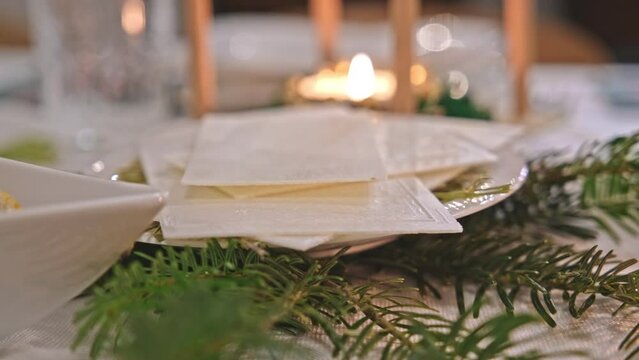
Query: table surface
(572, 110)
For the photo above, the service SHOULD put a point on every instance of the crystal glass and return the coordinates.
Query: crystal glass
(102, 67)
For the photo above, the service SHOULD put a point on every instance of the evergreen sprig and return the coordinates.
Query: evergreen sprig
(507, 261)
(595, 190)
(512, 246)
(508, 249)
(226, 301)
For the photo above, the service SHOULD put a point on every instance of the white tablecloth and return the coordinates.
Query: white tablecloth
(571, 90)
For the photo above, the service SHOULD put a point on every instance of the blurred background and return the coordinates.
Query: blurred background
(99, 73)
(569, 30)
(587, 31)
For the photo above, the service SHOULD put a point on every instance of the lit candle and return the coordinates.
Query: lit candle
(403, 14)
(198, 22)
(326, 15)
(519, 24)
(360, 83)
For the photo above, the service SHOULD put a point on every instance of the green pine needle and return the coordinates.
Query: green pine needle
(226, 302)
(136, 311)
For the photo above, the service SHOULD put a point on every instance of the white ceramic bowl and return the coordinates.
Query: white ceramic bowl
(70, 230)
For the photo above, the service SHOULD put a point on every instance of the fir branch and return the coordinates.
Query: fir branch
(506, 260)
(505, 249)
(135, 311)
(508, 247)
(595, 190)
(195, 326)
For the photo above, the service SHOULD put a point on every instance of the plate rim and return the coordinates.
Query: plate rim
(506, 152)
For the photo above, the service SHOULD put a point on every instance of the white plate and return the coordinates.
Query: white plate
(510, 169)
(70, 230)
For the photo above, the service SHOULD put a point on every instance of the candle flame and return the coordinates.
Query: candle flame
(133, 18)
(360, 82)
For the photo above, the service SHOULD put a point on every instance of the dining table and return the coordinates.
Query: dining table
(571, 103)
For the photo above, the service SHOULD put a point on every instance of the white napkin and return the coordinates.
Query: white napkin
(410, 147)
(164, 152)
(406, 147)
(299, 149)
(490, 135)
(398, 206)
